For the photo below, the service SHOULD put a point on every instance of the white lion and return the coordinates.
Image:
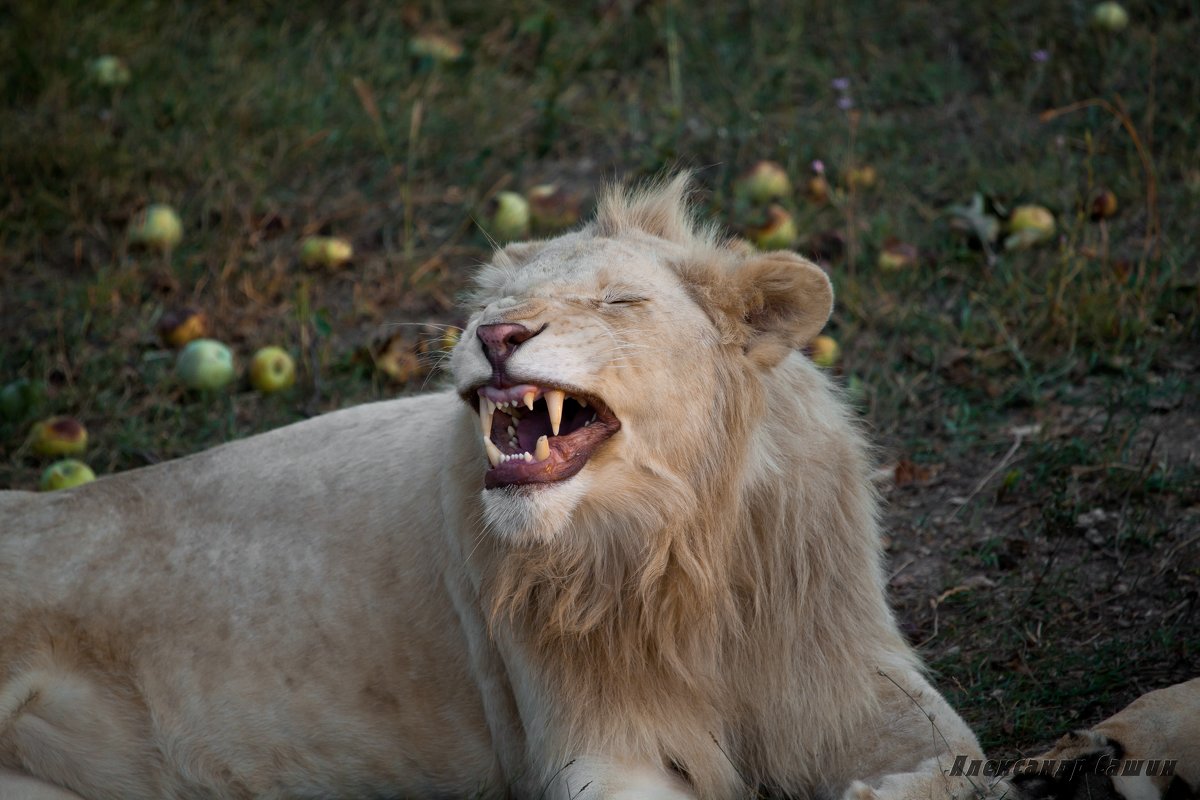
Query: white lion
(634, 553)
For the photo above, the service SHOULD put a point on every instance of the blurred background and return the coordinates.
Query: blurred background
(1004, 194)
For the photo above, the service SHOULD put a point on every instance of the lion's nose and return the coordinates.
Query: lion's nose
(500, 340)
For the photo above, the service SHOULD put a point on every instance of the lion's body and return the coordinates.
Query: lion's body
(236, 619)
(336, 609)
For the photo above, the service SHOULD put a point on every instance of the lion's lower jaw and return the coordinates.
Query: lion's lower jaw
(533, 514)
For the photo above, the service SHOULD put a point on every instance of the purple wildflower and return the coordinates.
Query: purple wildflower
(1040, 56)
(840, 84)
(845, 102)
(818, 166)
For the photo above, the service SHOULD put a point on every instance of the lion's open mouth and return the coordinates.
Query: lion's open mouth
(539, 434)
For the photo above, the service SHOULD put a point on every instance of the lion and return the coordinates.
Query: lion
(1150, 750)
(631, 552)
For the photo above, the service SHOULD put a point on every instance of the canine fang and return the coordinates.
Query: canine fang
(554, 405)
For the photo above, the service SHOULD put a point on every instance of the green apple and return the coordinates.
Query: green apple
(510, 222)
(205, 364)
(272, 370)
(825, 351)
(325, 251)
(763, 182)
(778, 232)
(65, 474)
(1110, 17)
(18, 398)
(179, 326)
(157, 227)
(59, 436)
(109, 71)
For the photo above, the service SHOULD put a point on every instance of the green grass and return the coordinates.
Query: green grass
(263, 125)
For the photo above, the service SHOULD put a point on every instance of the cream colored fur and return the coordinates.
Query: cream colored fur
(338, 609)
(1160, 725)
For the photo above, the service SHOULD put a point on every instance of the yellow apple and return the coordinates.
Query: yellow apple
(59, 436)
(179, 326)
(272, 370)
(863, 177)
(325, 251)
(436, 46)
(825, 351)
(65, 474)
(1029, 225)
(157, 227)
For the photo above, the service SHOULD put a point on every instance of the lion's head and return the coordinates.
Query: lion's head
(616, 370)
(673, 495)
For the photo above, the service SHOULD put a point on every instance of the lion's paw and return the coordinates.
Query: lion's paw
(860, 791)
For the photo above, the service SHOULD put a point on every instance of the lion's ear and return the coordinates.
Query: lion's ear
(786, 300)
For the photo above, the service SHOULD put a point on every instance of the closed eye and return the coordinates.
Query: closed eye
(624, 300)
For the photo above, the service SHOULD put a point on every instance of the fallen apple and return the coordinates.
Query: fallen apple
(436, 46)
(1029, 225)
(863, 177)
(763, 182)
(65, 474)
(553, 208)
(18, 398)
(825, 351)
(1104, 205)
(818, 190)
(157, 227)
(59, 436)
(205, 364)
(1110, 16)
(272, 370)
(510, 221)
(325, 251)
(109, 71)
(178, 326)
(778, 232)
(897, 255)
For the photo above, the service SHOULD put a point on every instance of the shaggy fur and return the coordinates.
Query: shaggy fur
(339, 609)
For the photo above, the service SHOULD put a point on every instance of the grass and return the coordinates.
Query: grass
(266, 124)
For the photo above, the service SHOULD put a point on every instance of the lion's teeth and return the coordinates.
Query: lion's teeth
(542, 451)
(554, 404)
(529, 397)
(493, 453)
(583, 402)
(486, 408)
(512, 431)
(528, 457)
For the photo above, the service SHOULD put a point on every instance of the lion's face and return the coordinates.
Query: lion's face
(607, 367)
(586, 364)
